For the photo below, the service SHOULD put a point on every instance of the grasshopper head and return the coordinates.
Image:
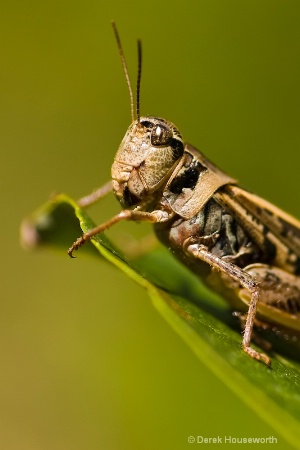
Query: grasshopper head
(150, 150)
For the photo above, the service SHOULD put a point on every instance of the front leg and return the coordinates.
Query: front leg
(244, 279)
(127, 214)
(92, 198)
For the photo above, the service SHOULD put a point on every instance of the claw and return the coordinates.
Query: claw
(258, 356)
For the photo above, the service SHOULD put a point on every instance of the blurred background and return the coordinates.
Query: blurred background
(86, 361)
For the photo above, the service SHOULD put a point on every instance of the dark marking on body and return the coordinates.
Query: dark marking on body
(187, 179)
(129, 199)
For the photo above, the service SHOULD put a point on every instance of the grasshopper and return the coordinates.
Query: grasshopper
(239, 244)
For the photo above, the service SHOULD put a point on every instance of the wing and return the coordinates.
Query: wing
(282, 225)
(272, 229)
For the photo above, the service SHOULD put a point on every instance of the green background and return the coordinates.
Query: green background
(86, 362)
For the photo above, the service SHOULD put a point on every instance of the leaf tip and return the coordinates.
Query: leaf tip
(29, 236)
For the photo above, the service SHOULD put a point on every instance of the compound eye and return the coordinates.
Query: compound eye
(147, 124)
(161, 135)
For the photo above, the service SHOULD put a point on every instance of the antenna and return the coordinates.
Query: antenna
(138, 84)
(123, 61)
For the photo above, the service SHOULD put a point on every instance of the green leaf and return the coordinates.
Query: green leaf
(199, 317)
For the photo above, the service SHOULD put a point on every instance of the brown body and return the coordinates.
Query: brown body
(238, 243)
(230, 226)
